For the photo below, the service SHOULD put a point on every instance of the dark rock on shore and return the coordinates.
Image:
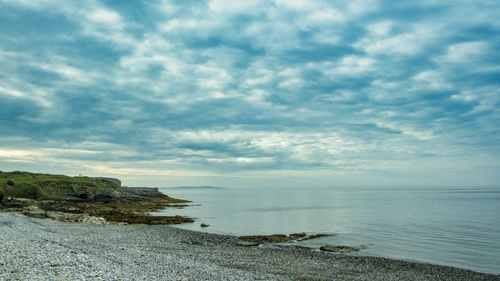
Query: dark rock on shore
(314, 236)
(280, 238)
(247, 244)
(341, 249)
(273, 238)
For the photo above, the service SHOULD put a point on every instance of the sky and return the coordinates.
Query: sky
(253, 93)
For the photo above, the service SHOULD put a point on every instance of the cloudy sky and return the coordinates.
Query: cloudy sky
(244, 93)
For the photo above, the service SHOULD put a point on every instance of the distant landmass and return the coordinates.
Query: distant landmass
(204, 187)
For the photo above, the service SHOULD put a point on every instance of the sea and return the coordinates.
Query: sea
(458, 227)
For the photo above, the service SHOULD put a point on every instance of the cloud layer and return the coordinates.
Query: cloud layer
(218, 88)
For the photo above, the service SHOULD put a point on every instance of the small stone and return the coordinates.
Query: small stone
(204, 225)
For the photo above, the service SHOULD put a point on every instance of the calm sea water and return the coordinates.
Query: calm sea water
(450, 226)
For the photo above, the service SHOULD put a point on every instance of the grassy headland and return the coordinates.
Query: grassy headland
(45, 186)
(77, 198)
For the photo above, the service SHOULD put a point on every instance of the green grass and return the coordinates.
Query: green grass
(37, 186)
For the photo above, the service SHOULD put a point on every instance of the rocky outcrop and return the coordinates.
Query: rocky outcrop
(37, 212)
(116, 206)
(34, 211)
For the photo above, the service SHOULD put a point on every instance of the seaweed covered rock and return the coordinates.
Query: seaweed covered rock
(315, 236)
(341, 249)
(273, 238)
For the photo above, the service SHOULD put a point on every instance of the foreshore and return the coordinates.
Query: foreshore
(43, 249)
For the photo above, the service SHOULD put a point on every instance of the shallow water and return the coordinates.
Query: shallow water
(450, 226)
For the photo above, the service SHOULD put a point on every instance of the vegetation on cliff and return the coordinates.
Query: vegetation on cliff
(45, 186)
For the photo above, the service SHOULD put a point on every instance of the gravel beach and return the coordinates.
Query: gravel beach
(43, 249)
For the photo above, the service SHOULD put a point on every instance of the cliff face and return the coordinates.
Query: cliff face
(113, 180)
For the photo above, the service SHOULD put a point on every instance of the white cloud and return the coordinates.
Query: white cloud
(275, 36)
(465, 52)
(212, 77)
(105, 16)
(12, 92)
(382, 28)
(39, 5)
(199, 26)
(262, 77)
(411, 41)
(166, 7)
(326, 16)
(38, 95)
(405, 44)
(298, 5)
(93, 18)
(431, 79)
(351, 65)
(228, 7)
(290, 79)
(361, 7)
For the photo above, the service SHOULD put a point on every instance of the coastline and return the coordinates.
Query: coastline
(40, 249)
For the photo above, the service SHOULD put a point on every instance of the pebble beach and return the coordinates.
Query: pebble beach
(43, 249)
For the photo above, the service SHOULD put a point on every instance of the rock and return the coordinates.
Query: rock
(68, 217)
(34, 211)
(338, 249)
(122, 206)
(314, 236)
(247, 244)
(295, 236)
(204, 225)
(103, 197)
(91, 219)
(273, 238)
(80, 195)
(55, 215)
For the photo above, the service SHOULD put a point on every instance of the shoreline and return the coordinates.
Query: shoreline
(46, 249)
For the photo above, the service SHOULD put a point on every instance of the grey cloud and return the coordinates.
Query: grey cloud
(207, 86)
